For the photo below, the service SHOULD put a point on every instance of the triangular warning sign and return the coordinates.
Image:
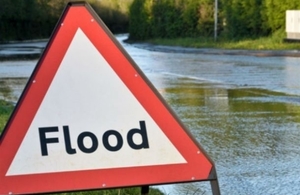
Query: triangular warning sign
(89, 119)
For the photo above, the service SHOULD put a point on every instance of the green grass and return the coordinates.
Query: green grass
(6, 109)
(274, 42)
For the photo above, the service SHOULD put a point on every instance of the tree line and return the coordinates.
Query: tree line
(144, 19)
(31, 19)
(190, 18)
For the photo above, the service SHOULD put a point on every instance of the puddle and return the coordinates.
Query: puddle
(22, 50)
(11, 88)
(253, 135)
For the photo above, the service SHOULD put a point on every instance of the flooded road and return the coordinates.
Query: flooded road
(243, 110)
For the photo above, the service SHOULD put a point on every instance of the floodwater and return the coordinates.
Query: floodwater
(243, 110)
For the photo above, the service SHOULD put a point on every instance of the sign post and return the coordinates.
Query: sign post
(144, 190)
(89, 119)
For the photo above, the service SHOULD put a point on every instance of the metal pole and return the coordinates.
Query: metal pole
(214, 182)
(215, 187)
(216, 20)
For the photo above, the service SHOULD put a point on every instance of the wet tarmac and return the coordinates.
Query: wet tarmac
(243, 109)
(22, 50)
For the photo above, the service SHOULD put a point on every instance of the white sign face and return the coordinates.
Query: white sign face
(90, 120)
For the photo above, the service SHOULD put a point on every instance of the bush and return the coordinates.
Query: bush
(170, 19)
(32, 19)
(195, 18)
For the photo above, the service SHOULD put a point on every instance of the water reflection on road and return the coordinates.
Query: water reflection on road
(252, 134)
(244, 111)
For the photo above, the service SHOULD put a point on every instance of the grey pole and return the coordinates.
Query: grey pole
(216, 20)
(144, 190)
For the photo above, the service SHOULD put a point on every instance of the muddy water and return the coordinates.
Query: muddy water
(244, 111)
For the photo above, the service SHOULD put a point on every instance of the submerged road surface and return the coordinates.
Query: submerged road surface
(244, 110)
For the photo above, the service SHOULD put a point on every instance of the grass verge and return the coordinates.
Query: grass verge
(6, 109)
(274, 42)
